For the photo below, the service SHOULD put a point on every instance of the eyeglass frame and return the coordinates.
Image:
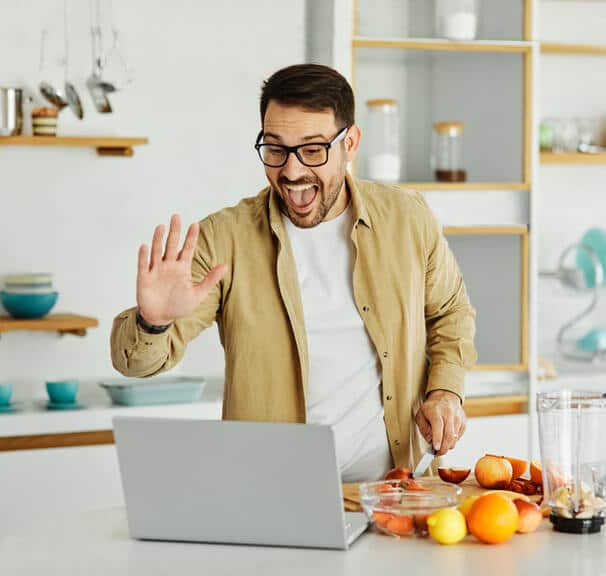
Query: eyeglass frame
(295, 149)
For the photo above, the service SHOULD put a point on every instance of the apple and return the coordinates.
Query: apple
(530, 516)
(493, 472)
(453, 475)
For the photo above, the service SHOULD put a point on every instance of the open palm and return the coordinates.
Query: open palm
(165, 290)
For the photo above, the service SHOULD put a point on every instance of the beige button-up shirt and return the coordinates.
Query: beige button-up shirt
(407, 288)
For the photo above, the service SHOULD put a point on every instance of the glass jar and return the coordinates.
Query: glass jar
(383, 137)
(447, 160)
(457, 19)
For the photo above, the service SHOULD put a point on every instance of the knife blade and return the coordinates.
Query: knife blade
(424, 462)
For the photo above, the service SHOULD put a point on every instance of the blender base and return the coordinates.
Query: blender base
(576, 525)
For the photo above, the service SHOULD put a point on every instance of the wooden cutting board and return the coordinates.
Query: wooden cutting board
(351, 494)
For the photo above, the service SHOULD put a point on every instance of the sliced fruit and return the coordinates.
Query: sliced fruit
(414, 485)
(536, 472)
(453, 475)
(381, 518)
(399, 473)
(400, 525)
(509, 494)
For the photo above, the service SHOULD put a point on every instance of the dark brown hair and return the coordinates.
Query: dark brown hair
(310, 86)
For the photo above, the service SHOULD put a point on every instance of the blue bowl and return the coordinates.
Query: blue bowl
(595, 239)
(62, 391)
(6, 391)
(28, 305)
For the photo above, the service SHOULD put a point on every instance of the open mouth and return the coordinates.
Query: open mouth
(300, 197)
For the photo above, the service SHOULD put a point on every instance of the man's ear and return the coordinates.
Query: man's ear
(352, 141)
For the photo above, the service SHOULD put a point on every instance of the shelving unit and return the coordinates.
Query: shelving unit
(105, 145)
(572, 49)
(387, 50)
(572, 158)
(60, 323)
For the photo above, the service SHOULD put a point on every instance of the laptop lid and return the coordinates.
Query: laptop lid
(231, 482)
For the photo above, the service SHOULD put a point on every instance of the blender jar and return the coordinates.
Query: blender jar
(572, 428)
(383, 132)
(447, 158)
(457, 19)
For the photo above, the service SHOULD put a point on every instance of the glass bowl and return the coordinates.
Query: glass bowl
(400, 508)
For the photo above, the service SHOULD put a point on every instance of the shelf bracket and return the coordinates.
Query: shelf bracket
(123, 151)
(75, 332)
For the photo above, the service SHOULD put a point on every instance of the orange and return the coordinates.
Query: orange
(536, 472)
(493, 518)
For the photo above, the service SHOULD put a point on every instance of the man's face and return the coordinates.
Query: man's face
(308, 195)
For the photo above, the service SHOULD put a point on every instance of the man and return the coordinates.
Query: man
(338, 301)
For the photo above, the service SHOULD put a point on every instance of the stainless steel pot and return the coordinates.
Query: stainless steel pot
(11, 111)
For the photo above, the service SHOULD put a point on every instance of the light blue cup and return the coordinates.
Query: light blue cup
(6, 391)
(62, 391)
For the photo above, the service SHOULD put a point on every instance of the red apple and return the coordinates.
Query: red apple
(493, 472)
(453, 475)
(530, 516)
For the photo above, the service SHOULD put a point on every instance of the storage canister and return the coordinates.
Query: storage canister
(448, 152)
(383, 138)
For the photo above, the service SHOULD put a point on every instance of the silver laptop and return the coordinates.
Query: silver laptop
(233, 482)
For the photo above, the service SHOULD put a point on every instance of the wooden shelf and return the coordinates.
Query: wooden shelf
(495, 406)
(436, 44)
(105, 145)
(571, 49)
(61, 323)
(468, 186)
(572, 158)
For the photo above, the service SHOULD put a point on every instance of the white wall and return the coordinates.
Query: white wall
(198, 71)
(572, 196)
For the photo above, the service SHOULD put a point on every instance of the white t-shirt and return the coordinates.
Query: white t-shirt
(344, 370)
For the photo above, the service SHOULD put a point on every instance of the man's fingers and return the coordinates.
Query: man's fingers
(156, 250)
(189, 245)
(172, 241)
(212, 279)
(424, 426)
(448, 438)
(143, 260)
(437, 432)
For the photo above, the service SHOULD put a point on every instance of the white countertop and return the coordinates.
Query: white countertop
(98, 411)
(97, 543)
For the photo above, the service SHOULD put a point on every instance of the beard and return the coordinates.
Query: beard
(324, 200)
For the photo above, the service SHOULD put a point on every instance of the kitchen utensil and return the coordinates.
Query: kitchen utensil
(399, 512)
(162, 390)
(11, 111)
(572, 427)
(115, 65)
(71, 94)
(29, 305)
(97, 87)
(52, 94)
(424, 462)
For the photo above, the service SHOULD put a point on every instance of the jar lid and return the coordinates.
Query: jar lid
(382, 102)
(451, 128)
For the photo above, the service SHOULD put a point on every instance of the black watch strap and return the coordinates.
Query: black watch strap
(151, 328)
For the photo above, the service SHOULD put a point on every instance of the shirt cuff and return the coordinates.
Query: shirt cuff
(449, 377)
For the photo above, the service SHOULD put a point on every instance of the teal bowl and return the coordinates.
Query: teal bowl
(28, 305)
(62, 391)
(6, 391)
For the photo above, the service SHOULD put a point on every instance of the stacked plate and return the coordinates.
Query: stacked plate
(28, 295)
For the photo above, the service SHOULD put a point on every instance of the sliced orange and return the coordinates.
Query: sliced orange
(536, 472)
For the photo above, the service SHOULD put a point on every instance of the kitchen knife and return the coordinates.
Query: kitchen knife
(424, 462)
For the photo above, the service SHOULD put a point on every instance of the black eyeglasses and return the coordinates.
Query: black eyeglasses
(312, 155)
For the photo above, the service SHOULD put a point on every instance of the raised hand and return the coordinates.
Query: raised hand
(165, 290)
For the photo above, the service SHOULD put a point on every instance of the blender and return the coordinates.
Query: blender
(572, 428)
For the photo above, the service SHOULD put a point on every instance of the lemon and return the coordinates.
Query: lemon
(447, 526)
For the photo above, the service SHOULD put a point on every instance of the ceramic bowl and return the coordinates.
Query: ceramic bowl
(28, 305)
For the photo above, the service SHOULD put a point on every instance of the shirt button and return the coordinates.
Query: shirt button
(365, 308)
(385, 355)
(397, 442)
(388, 397)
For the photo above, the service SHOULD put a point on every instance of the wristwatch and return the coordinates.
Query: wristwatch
(151, 328)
